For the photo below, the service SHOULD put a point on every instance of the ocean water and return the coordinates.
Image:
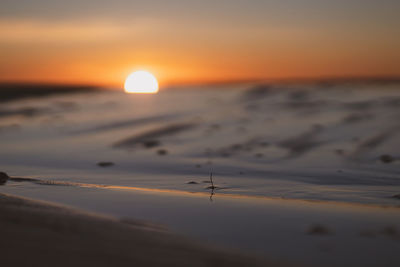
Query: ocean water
(336, 142)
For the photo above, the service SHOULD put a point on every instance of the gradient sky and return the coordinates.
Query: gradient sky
(101, 42)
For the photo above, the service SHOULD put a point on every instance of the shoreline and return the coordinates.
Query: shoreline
(308, 232)
(209, 193)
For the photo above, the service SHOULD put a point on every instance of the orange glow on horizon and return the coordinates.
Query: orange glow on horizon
(105, 53)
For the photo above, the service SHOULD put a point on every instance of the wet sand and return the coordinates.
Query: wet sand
(37, 233)
(309, 232)
(305, 172)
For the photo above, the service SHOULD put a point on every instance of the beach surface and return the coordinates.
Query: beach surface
(37, 233)
(304, 173)
(334, 142)
(302, 232)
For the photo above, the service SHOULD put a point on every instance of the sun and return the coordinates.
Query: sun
(141, 82)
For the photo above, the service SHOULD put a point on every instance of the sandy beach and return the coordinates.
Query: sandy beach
(302, 232)
(301, 173)
(37, 233)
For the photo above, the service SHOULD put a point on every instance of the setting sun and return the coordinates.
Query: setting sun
(141, 82)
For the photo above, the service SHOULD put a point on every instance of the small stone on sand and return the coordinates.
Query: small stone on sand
(390, 231)
(319, 229)
(396, 196)
(3, 178)
(151, 143)
(162, 152)
(386, 158)
(105, 164)
(339, 152)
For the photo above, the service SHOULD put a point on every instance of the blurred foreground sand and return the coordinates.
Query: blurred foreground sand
(37, 233)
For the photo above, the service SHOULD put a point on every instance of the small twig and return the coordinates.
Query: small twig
(212, 187)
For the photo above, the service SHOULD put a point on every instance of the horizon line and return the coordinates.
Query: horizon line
(219, 82)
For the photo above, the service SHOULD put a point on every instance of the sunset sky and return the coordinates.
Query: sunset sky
(101, 42)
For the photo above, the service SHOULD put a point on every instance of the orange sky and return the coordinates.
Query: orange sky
(229, 43)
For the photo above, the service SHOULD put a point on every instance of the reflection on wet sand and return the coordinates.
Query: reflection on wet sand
(211, 194)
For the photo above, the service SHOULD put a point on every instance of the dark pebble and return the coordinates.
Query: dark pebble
(396, 196)
(151, 143)
(339, 151)
(237, 147)
(105, 164)
(162, 152)
(386, 158)
(319, 229)
(225, 154)
(390, 231)
(3, 178)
